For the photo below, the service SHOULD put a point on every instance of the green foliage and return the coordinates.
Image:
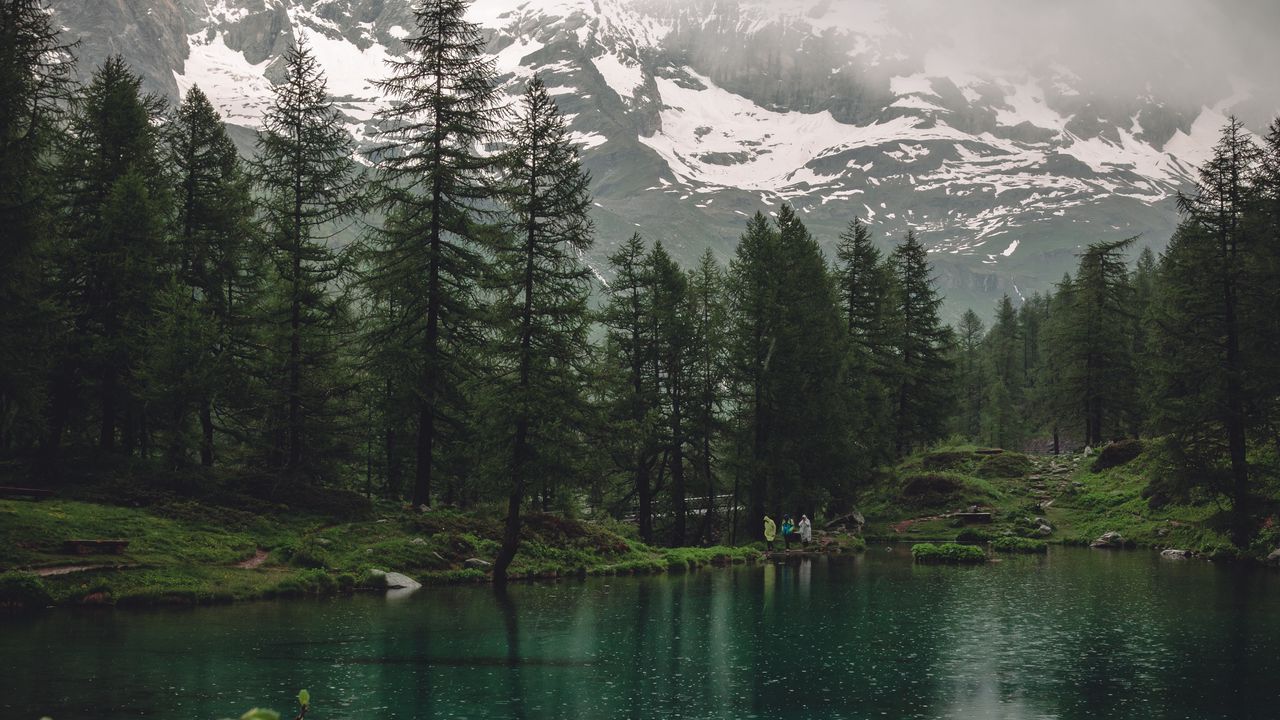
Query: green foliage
(789, 342)
(922, 375)
(1116, 454)
(1004, 465)
(22, 590)
(309, 183)
(973, 535)
(947, 460)
(1010, 544)
(948, 553)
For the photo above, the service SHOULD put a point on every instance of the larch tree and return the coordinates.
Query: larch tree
(628, 340)
(311, 186)
(671, 348)
(542, 318)
(436, 189)
(117, 255)
(214, 228)
(971, 374)
(706, 376)
(753, 301)
(35, 82)
(1203, 379)
(865, 282)
(922, 373)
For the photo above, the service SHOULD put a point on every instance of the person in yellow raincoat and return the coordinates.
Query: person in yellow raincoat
(770, 531)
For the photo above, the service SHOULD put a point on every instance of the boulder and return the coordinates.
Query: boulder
(1043, 521)
(478, 564)
(853, 520)
(1044, 531)
(399, 581)
(1175, 554)
(418, 541)
(1108, 540)
(1274, 558)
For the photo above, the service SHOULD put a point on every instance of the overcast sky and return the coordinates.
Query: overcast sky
(1184, 49)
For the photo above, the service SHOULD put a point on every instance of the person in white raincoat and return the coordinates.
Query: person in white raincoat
(806, 530)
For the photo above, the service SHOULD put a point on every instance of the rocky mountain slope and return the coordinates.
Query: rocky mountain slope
(694, 114)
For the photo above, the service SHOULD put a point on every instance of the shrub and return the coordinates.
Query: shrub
(1004, 465)
(1116, 454)
(1010, 544)
(927, 489)
(23, 590)
(945, 459)
(972, 535)
(948, 553)
(303, 555)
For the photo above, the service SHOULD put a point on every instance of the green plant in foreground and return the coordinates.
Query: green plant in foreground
(304, 704)
(1019, 545)
(948, 553)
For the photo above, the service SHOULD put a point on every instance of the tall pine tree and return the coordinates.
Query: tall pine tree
(542, 317)
(922, 374)
(215, 257)
(35, 82)
(310, 185)
(117, 217)
(431, 255)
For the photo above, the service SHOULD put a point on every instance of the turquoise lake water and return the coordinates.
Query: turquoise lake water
(1076, 634)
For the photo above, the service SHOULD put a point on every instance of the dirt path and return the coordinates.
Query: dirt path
(68, 569)
(258, 558)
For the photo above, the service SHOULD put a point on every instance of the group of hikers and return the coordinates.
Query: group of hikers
(791, 531)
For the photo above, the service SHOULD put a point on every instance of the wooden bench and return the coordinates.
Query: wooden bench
(94, 547)
(24, 492)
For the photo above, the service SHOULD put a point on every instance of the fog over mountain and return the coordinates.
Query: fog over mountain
(1006, 134)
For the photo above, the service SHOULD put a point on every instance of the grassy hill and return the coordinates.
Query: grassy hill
(1071, 499)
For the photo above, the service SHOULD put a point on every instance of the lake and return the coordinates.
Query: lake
(1076, 634)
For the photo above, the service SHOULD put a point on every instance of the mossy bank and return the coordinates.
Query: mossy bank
(185, 552)
(978, 495)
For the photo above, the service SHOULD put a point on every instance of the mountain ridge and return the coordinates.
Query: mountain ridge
(693, 116)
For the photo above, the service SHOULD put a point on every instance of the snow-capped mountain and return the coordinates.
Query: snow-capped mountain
(694, 114)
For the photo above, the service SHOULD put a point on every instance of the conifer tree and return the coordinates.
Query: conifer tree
(706, 376)
(117, 217)
(1203, 378)
(923, 372)
(753, 301)
(670, 356)
(865, 282)
(1005, 349)
(1092, 343)
(790, 356)
(542, 317)
(629, 339)
(1052, 402)
(435, 186)
(214, 226)
(35, 82)
(1143, 283)
(970, 373)
(311, 186)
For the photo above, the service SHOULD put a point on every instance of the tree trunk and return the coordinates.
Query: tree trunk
(644, 499)
(107, 433)
(426, 440)
(1241, 532)
(206, 433)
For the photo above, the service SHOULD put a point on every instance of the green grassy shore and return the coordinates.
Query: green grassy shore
(189, 552)
(1066, 499)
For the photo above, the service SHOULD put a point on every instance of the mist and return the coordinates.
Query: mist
(1187, 52)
